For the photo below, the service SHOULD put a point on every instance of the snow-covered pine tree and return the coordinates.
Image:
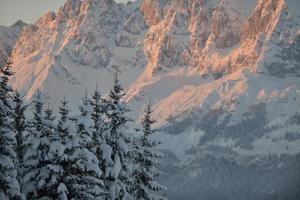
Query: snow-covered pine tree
(100, 127)
(31, 155)
(146, 161)
(115, 153)
(99, 109)
(19, 125)
(43, 171)
(9, 185)
(6, 90)
(55, 152)
(84, 175)
(37, 174)
(67, 137)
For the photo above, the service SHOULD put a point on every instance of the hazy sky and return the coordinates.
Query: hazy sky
(27, 10)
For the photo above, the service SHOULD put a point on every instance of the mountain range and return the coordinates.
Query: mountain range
(223, 75)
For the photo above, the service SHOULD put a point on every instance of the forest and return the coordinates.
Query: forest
(94, 154)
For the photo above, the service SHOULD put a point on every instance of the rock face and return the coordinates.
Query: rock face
(8, 37)
(215, 37)
(77, 46)
(223, 75)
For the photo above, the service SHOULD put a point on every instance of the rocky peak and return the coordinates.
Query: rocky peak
(263, 18)
(69, 10)
(18, 24)
(8, 38)
(204, 25)
(206, 37)
(226, 25)
(272, 27)
(46, 19)
(153, 10)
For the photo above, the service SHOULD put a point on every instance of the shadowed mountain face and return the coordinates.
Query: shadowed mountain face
(223, 75)
(217, 177)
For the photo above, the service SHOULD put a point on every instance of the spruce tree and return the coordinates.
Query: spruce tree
(19, 125)
(30, 159)
(6, 90)
(42, 179)
(35, 158)
(146, 161)
(100, 146)
(84, 175)
(54, 153)
(66, 135)
(115, 153)
(98, 111)
(9, 185)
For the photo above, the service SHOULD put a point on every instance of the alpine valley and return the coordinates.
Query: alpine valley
(223, 75)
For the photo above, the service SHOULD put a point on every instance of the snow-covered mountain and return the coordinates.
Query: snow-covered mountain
(76, 47)
(224, 76)
(8, 37)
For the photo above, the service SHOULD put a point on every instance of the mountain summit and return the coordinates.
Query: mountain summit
(203, 37)
(8, 37)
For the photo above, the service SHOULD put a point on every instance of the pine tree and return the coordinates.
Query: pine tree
(146, 161)
(115, 153)
(9, 185)
(54, 153)
(19, 126)
(42, 168)
(30, 159)
(85, 174)
(6, 90)
(35, 158)
(66, 135)
(99, 109)
(100, 146)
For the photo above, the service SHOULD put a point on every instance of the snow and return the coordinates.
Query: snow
(117, 166)
(106, 152)
(268, 147)
(245, 7)
(182, 67)
(181, 143)
(3, 196)
(56, 148)
(63, 191)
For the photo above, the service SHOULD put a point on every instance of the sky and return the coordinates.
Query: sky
(27, 10)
